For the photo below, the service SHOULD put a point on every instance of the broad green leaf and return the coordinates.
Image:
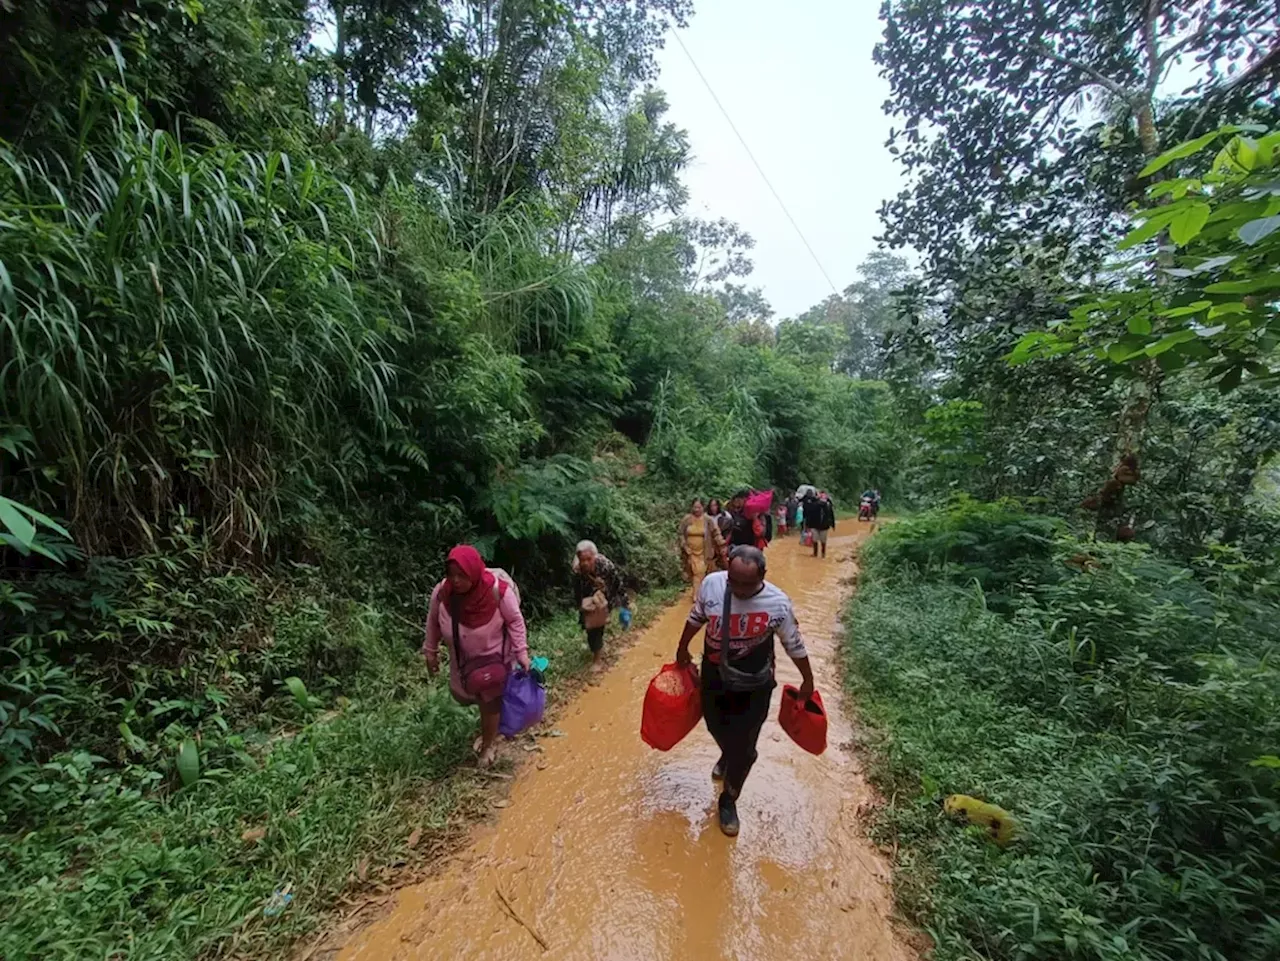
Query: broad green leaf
(1177, 188)
(1256, 230)
(10, 541)
(1263, 282)
(189, 763)
(1118, 353)
(1240, 211)
(1038, 344)
(1172, 360)
(1246, 152)
(1223, 310)
(298, 690)
(1169, 342)
(13, 517)
(1267, 760)
(1153, 225)
(1189, 309)
(1188, 222)
(45, 521)
(1183, 150)
(1266, 148)
(1139, 324)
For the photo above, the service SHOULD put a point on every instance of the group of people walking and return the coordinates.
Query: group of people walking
(474, 612)
(708, 531)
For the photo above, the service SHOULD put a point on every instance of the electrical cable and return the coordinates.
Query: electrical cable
(760, 170)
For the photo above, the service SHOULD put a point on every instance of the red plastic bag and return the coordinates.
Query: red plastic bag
(804, 721)
(760, 502)
(672, 707)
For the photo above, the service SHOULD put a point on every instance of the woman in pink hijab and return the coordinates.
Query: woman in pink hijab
(477, 613)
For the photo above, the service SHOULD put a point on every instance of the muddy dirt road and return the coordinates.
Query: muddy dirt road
(610, 851)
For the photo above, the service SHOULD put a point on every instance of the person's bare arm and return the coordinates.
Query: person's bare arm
(683, 656)
(793, 644)
(431, 642)
(806, 676)
(697, 618)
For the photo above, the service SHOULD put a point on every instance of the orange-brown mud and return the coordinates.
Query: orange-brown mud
(610, 851)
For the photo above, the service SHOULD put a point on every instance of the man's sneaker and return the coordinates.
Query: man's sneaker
(717, 772)
(728, 815)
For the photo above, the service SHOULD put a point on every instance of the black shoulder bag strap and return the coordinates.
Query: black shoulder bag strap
(732, 678)
(726, 618)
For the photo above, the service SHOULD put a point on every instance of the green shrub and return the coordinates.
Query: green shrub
(999, 545)
(1123, 713)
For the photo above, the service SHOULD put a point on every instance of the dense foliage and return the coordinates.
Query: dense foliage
(294, 297)
(1122, 708)
(1088, 363)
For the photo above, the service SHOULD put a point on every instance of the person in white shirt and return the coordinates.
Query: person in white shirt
(736, 689)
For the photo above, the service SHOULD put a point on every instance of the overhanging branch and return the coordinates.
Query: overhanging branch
(1101, 79)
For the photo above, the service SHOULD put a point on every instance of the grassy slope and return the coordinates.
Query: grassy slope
(169, 877)
(933, 734)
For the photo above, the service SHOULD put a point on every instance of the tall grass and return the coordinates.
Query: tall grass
(180, 322)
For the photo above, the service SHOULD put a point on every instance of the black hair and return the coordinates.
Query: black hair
(744, 494)
(751, 554)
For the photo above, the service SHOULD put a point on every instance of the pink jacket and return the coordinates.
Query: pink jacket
(475, 641)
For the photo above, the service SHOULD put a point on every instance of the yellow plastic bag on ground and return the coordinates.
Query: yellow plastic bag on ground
(1002, 825)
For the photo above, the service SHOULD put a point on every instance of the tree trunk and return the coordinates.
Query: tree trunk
(340, 54)
(1147, 134)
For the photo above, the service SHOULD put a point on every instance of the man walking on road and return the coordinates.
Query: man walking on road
(738, 678)
(819, 517)
(740, 531)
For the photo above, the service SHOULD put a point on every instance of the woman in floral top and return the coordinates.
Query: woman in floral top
(598, 590)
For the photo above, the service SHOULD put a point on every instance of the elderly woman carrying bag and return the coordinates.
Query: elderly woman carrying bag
(598, 590)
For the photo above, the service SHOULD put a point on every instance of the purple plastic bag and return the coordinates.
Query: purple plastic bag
(523, 702)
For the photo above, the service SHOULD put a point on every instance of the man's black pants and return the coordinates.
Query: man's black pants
(734, 719)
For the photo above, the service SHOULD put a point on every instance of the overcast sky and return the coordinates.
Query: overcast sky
(799, 84)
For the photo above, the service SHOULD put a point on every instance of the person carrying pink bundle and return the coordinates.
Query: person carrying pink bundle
(477, 612)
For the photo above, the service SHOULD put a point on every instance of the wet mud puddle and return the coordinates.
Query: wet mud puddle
(610, 851)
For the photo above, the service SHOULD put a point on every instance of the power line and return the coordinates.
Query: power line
(760, 170)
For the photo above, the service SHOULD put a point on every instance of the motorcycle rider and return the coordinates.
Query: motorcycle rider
(871, 497)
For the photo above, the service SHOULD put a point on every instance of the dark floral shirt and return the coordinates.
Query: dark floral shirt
(606, 578)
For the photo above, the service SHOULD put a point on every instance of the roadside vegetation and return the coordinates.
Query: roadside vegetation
(1092, 569)
(294, 296)
(1124, 709)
